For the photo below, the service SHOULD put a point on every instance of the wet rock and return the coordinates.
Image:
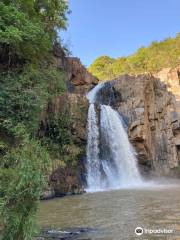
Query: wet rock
(68, 234)
(57, 234)
(107, 95)
(48, 193)
(66, 181)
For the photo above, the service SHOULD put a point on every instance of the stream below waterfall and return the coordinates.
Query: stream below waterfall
(115, 214)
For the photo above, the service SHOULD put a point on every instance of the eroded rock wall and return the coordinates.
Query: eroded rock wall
(151, 105)
(69, 178)
(79, 80)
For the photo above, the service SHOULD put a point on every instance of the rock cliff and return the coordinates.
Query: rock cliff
(79, 80)
(69, 179)
(152, 108)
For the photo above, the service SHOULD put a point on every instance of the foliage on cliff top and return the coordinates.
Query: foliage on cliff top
(147, 59)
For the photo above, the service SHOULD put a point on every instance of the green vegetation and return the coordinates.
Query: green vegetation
(22, 183)
(58, 138)
(23, 95)
(29, 80)
(147, 59)
(28, 28)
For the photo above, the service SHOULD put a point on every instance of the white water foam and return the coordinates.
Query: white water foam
(111, 160)
(123, 171)
(91, 96)
(93, 161)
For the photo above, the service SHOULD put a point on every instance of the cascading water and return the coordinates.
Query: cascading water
(122, 169)
(111, 161)
(93, 163)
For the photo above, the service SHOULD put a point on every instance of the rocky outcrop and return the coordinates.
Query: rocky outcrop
(171, 77)
(69, 179)
(79, 80)
(66, 180)
(65, 234)
(151, 106)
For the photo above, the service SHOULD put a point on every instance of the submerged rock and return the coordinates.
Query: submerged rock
(48, 193)
(68, 234)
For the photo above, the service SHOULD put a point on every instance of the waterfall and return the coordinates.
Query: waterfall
(92, 95)
(93, 161)
(119, 161)
(111, 159)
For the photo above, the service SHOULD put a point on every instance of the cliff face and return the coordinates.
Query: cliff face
(79, 80)
(69, 178)
(152, 107)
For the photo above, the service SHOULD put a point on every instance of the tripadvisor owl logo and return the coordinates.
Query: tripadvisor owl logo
(138, 231)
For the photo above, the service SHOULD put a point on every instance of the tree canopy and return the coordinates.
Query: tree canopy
(147, 59)
(29, 28)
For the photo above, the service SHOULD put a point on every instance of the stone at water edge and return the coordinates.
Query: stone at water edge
(68, 234)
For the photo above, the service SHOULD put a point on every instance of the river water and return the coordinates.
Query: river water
(114, 215)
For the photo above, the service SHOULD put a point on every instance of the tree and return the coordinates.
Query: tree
(102, 68)
(21, 38)
(28, 29)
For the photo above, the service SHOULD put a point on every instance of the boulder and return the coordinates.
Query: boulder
(65, 181)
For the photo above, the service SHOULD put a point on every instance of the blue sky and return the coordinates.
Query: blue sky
(118, 27)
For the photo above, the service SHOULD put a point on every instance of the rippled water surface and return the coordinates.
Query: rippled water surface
(116, 214)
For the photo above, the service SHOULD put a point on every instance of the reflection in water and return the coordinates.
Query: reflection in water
(116, 214)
